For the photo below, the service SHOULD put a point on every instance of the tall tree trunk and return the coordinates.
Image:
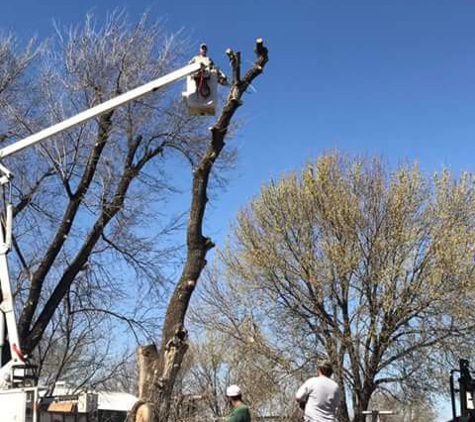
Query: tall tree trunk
(363, 403)
(159, 368)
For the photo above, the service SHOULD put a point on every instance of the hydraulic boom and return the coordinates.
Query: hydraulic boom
(12, 361)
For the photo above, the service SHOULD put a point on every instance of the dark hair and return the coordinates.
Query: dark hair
(325, 367)
(238, 397)
(326, 371)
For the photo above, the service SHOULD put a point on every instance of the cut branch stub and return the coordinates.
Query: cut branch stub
(147, 358)
(260, 49)
(235, 60)
(233, 102)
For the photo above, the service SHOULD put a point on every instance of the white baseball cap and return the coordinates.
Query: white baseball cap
(233, 391)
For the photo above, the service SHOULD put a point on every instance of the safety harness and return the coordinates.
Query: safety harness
(202, 84)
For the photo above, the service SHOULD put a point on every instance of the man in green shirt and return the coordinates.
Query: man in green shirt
(240, 411)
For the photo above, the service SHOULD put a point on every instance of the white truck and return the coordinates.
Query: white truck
(21, 399)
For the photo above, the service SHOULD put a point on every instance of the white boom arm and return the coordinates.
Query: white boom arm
(7, 314)
(100, 109)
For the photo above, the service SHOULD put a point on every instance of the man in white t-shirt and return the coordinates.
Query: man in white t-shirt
(321, 394)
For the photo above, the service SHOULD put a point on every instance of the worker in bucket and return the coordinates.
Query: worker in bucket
(203, 57)
(240, 412)
(202, 76)
(319, 396)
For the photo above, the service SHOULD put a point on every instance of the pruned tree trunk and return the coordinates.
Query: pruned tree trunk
(158, 369)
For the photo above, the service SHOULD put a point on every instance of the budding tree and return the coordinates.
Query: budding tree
(371, 268)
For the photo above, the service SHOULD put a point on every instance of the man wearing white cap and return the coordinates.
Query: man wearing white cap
(206, 60)
(320, 395)
(240, 411)
(203, 56)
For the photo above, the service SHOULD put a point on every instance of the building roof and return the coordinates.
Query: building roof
(115, 401)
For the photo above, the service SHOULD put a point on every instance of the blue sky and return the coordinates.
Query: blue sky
(393, 78)
(369, 77)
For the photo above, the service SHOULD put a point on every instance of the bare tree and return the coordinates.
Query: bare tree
(263, 353)
(159, 368)
(216, 361)
(373, 270)
(88, 203)
(84, 348)
(406, 409)
(206, 373)
(82, 201)
(93, 241)
(15, 64)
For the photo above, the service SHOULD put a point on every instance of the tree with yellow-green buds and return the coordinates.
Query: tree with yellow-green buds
(372, 268)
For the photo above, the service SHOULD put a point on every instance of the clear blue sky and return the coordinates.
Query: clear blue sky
(384, 77)
(395, 78)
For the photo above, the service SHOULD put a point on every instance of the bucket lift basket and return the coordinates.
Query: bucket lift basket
(201, 93)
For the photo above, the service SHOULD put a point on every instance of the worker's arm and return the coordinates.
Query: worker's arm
(302, 394)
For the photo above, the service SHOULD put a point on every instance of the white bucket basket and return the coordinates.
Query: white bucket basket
(202, 99)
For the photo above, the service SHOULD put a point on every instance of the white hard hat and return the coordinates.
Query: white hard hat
(233, 391)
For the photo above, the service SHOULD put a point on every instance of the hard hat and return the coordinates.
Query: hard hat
(203, 45)
(233, 391)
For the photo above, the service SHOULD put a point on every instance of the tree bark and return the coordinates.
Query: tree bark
(159, 369)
